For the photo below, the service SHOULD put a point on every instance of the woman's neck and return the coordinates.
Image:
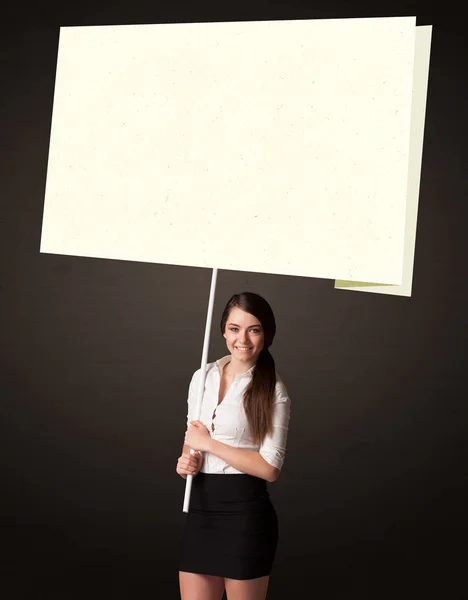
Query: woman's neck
(234, 368)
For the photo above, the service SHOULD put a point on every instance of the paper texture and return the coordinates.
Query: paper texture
(421, 75)
(274, 147)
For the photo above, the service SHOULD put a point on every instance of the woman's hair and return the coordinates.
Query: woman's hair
(259, 394)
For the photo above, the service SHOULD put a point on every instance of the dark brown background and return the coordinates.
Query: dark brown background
(97, 356)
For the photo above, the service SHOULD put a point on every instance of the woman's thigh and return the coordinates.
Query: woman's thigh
(200, 587)
(247, 589)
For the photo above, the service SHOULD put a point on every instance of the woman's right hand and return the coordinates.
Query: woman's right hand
(189, 464)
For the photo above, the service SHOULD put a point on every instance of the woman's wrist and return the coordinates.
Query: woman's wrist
(209, 445)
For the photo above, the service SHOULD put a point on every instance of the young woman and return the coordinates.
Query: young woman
(231, 529)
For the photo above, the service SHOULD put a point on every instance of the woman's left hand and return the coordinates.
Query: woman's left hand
(197, 436)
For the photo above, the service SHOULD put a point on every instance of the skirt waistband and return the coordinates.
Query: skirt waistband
(233, 493)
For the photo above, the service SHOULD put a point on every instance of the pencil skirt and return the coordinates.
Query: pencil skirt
(231, 529)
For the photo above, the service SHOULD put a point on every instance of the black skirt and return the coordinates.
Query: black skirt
(231, 529)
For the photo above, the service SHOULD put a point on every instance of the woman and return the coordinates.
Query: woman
(231, 529)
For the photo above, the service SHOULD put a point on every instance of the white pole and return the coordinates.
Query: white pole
(201, 385)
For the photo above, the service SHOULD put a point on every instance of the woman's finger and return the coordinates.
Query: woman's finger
(189, 456)
(188, 465)
(187, 470)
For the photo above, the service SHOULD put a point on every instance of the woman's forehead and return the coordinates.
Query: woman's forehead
(240, 317)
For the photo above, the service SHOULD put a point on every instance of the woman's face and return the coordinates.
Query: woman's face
(244, 336)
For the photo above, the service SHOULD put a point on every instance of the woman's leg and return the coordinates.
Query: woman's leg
(247, 589)
(200, 587)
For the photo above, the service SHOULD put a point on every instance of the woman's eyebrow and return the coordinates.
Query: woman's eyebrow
(234, 325)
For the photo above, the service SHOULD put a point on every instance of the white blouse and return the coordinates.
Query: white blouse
(227, 422)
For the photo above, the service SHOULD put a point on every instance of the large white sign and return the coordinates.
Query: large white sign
(273, 147)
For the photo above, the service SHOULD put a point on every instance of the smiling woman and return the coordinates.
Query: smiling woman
(247, 339)
(231, 530)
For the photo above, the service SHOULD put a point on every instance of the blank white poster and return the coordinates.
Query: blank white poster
(274, 147)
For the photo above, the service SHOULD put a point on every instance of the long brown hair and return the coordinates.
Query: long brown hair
(260, 392)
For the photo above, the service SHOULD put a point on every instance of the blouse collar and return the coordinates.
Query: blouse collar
(222, 362)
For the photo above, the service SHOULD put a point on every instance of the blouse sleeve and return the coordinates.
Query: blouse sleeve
(192, 397)
(273, 449)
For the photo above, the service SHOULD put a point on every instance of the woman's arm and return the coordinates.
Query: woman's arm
(189, 464)
(247, 461)
(273, 448)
